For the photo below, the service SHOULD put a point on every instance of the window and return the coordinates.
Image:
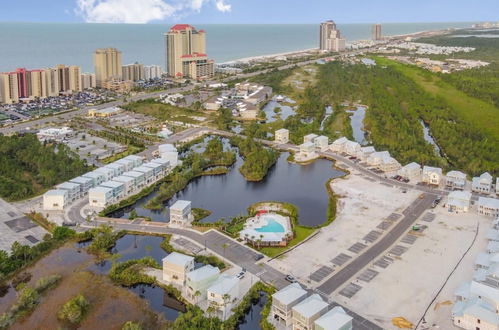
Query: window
(478, 321)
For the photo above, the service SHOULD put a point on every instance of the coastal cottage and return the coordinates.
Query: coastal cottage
(307, 150)
(482, 184)
(176, 266)
(321, 142)
(458, 201)
(284, 300)
(181, 213)
(376, 158)
(488, 206)
(389, 165)
(223, 294)
(432, 175)
(352, 148)
(335, 319)
(411, 171)
(306, 312)
(282, 136)
(455, 180)
(309, 138)
(198, 281)
(365, 152)
(338, 146)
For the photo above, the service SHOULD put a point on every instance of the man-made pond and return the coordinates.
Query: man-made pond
(429, 138)
(230, 195)
(357, 122)
(285, 110)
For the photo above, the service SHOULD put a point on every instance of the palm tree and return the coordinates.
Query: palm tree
(197, 294)
(261, 238)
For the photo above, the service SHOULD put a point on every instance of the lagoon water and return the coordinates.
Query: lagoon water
(35, 45)
(230, 195)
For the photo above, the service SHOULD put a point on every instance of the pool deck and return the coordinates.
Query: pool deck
(264, 220)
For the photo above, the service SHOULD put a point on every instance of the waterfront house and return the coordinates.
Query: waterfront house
(176, 266)
(198, 281)
(482, 184)
(126, 164)
(365, 152)
(118, 169)
(109, 173)
(307, 150)
(411, 171)
(166, 164)
(55, 200)
(117, 187)
(309, 138)
(306, 312)
(432, 175)
(376, 158)
(335, 319)
(74, 190)
(488, 206)
(284, 300)
(389, 165)
(158, 170)
(97, 177)
(282, 136)
(458, 201)
(148, 173)
(136, 160)
(139, 178)
(84, 183)
(475, 314)
(321, 142)
(223, 294)
(181, 213)
(455, 180)
(338, 146)
(100, 196)
(168, 152)
(352, 148)
(128, 184)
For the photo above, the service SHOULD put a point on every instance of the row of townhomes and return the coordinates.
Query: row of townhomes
(294, 308)
(459, 198)
(477, 301)
(113, 182)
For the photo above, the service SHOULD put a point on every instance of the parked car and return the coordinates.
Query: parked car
(241, 275)
(290, 279)
(258, 257)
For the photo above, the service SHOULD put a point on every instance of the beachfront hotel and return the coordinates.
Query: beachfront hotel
(330, 38)
(107, 62)
(376, 32)
(186, 53)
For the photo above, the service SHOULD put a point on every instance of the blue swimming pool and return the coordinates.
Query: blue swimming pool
(272, 226)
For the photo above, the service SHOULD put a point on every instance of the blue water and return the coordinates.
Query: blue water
(36, 45)
(272, 226)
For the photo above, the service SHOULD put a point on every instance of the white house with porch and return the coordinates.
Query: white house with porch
(306, 312)
(482, 184)
(282, 136)
(181, 213)
(309, 138)
(338, 146)
(321, 142)
(488, 206)
(223, 294)
(176, 266)
(284, 300)
(432, 175)
(458, 201)
(411, 171)
(335, 319)
(352, 148)
(455, 180)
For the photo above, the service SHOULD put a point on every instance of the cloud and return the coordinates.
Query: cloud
(222, 6)
(140, 11)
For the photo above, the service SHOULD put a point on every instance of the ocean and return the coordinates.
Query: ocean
(37, 45)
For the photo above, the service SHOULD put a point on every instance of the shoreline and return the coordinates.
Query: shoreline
(299, 51)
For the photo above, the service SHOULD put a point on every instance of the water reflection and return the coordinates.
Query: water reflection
(357, 122)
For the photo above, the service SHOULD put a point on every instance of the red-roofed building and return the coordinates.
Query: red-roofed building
(186, 53)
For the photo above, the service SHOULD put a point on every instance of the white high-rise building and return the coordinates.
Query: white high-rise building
(330, 38)
(152, 72)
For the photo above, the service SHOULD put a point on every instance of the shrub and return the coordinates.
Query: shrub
(74, 310)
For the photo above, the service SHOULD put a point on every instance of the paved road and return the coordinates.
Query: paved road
(411, 213)
(238, 254)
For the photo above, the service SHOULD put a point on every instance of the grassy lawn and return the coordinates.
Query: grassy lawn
(164, 111)
(301, 234)
(477, 112)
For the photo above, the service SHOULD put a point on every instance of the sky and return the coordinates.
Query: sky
(248, 11)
